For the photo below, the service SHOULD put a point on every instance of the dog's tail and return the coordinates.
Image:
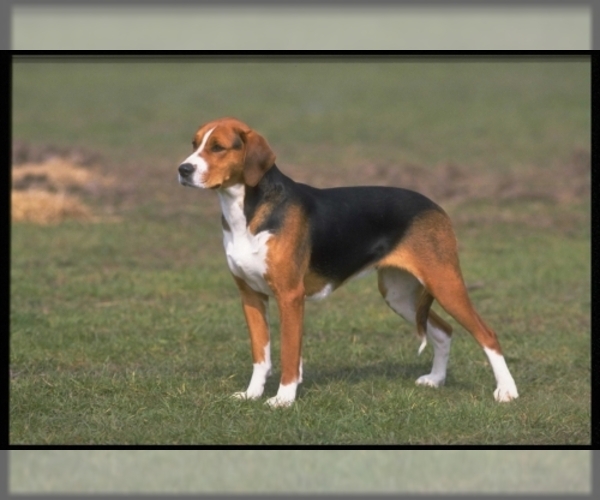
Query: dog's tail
(423, 306)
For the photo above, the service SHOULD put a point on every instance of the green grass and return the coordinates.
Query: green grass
(132, 332)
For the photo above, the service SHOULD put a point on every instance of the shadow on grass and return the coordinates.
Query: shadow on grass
(357, 374)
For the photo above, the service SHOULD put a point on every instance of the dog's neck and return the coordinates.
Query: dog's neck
(232, 207)
(236, 200)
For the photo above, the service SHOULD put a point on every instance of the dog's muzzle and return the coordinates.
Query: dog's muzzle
(186, 169)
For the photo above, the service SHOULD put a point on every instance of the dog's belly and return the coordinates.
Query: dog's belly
(247, 258)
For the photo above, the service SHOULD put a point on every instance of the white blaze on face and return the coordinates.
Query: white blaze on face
(201, 167)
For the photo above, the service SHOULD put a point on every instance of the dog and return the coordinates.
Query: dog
(295, 242)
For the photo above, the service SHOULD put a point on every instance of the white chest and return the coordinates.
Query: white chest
(246, 252)
(247, 257)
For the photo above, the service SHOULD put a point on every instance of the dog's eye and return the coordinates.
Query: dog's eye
(215, 148)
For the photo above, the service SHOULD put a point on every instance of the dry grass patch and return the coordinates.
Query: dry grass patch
(50, 191)
(42, 207)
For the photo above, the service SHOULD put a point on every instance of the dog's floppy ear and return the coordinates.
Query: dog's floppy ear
(258, 159)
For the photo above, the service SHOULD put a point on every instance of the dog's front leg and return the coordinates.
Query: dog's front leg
(291, 312)
(255, 310)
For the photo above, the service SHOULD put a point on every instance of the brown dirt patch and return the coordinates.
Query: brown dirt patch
(528, 195)
(24, 152)
(455, 184)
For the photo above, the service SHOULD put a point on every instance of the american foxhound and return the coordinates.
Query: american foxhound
(295, 242)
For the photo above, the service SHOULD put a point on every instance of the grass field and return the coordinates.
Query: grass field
(126, 328)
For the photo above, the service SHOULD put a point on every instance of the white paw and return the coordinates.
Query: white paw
(279, 402)
(506, 393)
(286, 394)
(430, 380)
(247, 394)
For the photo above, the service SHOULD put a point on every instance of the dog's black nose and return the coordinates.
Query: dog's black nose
(186, 169)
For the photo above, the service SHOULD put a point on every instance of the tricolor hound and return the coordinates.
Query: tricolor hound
(295, 242)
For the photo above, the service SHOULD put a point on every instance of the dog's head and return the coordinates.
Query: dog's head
(226, 152)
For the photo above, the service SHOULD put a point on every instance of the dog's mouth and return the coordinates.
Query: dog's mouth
(185, 181)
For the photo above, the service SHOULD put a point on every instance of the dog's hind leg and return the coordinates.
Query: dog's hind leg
(449, 290)
(430, 253)
(407, 297)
